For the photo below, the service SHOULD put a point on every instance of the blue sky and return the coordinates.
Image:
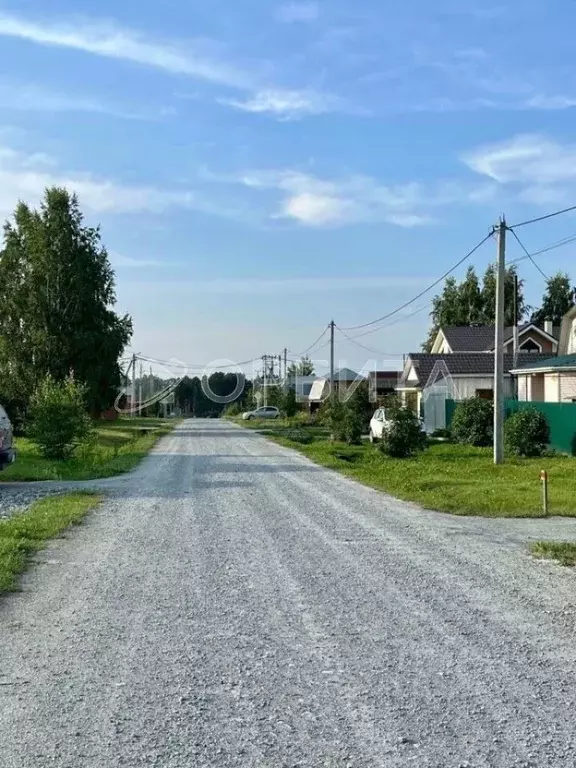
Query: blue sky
(258, 167)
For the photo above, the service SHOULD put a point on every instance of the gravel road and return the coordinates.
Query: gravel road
(232, 604)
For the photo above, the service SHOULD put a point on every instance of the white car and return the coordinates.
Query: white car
(378, 423)
(266, 412)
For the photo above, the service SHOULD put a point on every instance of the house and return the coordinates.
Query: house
(382, 383)
(344, 378)
(480, 338)
(552, 380)
(457, 375)
(302, 385)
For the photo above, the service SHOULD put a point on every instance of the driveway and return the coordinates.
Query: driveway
(232, 604)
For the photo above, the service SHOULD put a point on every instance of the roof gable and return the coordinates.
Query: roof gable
(460, 364)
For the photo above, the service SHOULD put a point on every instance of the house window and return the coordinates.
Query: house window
(530, 346)
(485, 394)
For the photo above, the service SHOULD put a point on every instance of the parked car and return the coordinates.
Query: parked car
(7, 452)
(381, 422)
(266, 412)
(378, 423)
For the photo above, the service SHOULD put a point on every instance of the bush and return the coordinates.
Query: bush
(289, 403)
(404, 436)
(527, 433)
(59, 422)
(333, 414)
(473, 422)
(232, 409)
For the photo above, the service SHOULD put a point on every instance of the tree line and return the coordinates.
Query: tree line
(57, 294)
(471, 302)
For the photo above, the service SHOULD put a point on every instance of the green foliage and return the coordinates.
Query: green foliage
(527, 433)
(473, 422)
(557, 300)
(467, 303)
(289, 403)
(332, 414)
(193, 400)
(57, 295)
(59, 421)
(303, 368)
(274, 396)
(360, 403)
(404, 436)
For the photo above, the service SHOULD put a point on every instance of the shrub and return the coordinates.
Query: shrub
(289, 403)
(333, 414)
(473, 422)
(527, 433)
(59, 422)
(404, 436)
(232, 409)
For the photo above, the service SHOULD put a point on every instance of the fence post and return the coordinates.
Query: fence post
(544, 481)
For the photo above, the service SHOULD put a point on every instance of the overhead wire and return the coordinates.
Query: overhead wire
(425, 291)
(369, 349)
(528, 254)
(544, 218)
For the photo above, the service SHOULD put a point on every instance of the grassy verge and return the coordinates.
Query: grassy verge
(120, 446)
(449, 478)
(562, 551)
(23, 535)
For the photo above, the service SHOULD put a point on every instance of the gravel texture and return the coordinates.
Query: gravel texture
(232, 604)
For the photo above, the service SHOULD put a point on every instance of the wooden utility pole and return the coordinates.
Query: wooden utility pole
(499, 346)
(332, 325)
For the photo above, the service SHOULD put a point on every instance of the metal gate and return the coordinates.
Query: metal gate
(439, 388)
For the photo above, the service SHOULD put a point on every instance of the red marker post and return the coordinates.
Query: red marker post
(544, 481)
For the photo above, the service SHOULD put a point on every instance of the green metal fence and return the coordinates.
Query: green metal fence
(561, 419)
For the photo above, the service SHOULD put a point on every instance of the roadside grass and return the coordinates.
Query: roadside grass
(119, 447)
(450, 478)
(562, 551)
(25, 534)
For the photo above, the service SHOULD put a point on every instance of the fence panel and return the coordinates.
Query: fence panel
(561, 419)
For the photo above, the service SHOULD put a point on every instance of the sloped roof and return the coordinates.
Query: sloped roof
(345, 374)
(480, 338)
(564, 361)
(458, 364)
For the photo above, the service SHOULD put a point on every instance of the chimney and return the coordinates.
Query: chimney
(548, 326)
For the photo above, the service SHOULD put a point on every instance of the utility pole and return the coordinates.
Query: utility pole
(285, 367)
(332, 324)
(264, 364)
(133, 392)
(499, 346)
(140, 388)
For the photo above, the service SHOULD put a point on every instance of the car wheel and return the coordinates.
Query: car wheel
(372, 437)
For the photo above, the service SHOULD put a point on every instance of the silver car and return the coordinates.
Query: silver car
(266, 412)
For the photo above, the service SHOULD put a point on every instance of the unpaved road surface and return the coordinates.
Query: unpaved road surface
(231, 604)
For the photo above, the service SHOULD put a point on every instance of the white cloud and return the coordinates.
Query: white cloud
(114, 42)
(287, 104)
(316, 202)
(25, 176)
(525, 159)
(121, 260)
(291, 13)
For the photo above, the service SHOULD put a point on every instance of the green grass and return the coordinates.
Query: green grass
(562, 551)
(23, 535)
(450, 478)
(119, 447)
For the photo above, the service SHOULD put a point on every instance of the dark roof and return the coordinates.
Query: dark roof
(564, 361)
(480, 338)
(459, 364)
(384, 374)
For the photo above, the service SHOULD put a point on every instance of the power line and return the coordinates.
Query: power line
(426, 290)
(528, 254)
(369, 349)
(543, 218)
(309, 349)
(398, 320)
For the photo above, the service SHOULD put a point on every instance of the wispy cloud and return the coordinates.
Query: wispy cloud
(25, 176)
(538, 170)
(121, 260)
(114, 42)
(316, 202)
(291, 13)
(287, 104)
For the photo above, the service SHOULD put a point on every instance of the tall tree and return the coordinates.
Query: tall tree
(305, 367)
(515, 307)
(470, 300)
(557, 300)
(57, 291)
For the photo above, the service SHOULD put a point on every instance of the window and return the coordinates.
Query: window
(530, 346)
(485, 394)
